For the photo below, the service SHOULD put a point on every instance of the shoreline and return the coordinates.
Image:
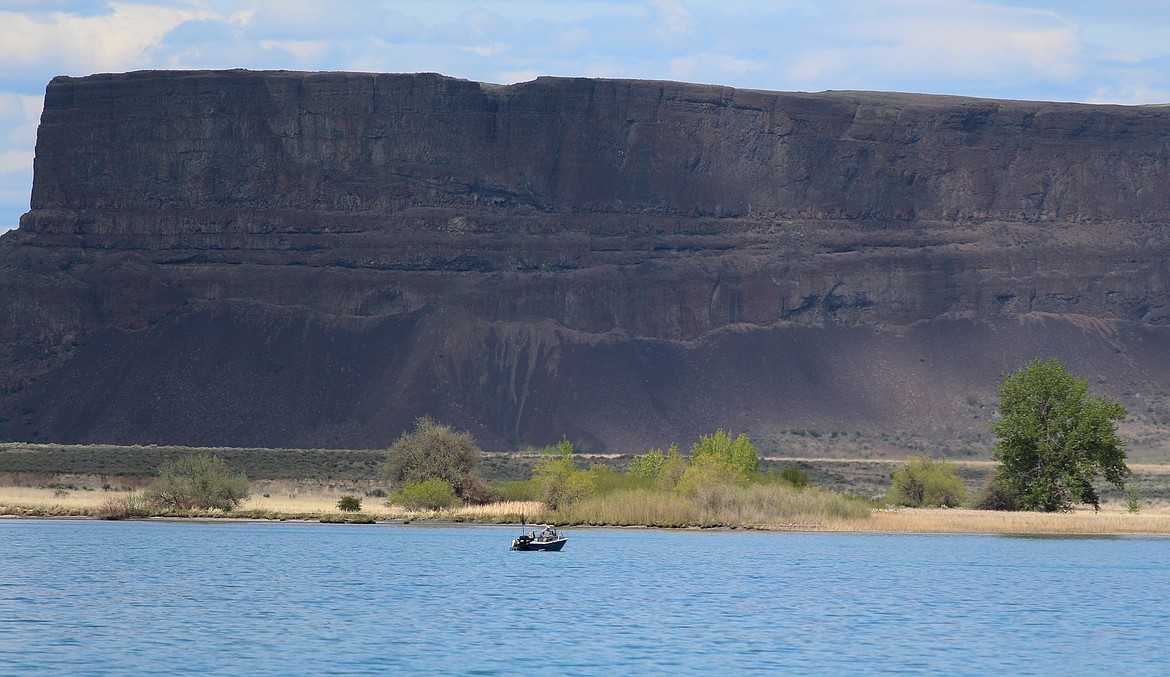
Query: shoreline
(922, 521)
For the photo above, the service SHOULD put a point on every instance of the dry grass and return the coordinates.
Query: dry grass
(22, 500)
(292, 497)
(757, 506)
(502, 509)
(941, 520)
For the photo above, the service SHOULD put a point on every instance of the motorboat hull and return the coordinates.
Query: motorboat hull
(529, 543)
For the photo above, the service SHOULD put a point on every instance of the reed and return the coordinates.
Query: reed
(1084, 522)
(767, 506)
(501, 509)
(51, 500)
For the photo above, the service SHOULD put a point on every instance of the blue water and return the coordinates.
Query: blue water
(238, 598)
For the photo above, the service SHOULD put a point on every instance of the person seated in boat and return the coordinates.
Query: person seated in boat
(548, 534)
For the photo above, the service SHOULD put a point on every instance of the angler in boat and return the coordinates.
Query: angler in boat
(547, 539)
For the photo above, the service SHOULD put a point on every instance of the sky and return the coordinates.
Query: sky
(1088, 51)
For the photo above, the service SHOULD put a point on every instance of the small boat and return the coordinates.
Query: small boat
(547, 539)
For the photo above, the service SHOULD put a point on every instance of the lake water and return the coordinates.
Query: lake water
(245, 598)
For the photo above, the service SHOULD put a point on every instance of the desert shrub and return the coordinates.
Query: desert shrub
(927, 483)
(349, 504)
(434, 451)
(476, 491)
(197, 482)
(739, 453)
(429, 494)
(794, 476)
(123, 507)
(560, 482)
(996, 496)
(1133, 500)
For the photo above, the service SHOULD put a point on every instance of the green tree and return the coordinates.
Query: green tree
(349, 503)
(561, 482)
(739, 452)
(436, 451)
(673, 468)
(648, 465)
(927, 483)
(1054, 440)
(707, 472)
(197, 482)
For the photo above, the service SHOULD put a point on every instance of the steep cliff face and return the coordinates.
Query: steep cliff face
(316, 259)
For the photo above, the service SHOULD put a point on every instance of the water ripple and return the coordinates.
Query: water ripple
(113, 598)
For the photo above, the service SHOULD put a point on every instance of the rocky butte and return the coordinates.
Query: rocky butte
(315, 259)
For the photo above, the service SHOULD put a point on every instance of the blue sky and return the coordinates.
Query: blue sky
(1108, 51)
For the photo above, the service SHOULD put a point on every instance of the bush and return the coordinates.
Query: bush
(198, 482)
(517, 490)
(476, 491)
(673, 469)
(1133, 500)
(429, 494)
(996, 496)
(349, 504)
(561, 483)
(706, 473)
(123, 507)
(649, 465)
(927, 483)
(795, 476)
(603, 480)
(435, 451)
(739, 453)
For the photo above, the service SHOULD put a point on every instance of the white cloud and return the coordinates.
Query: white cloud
(83, 44)
(959, 42)
(710, 68)
(672, 20)
(487, 50)
(512, 77)
(1130, 95)
(303, 51)
(15, 160)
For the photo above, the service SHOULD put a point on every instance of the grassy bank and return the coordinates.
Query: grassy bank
(94, 480)
(750, 507)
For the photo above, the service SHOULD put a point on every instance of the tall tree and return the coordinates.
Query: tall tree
(435, 450)
(1054, 440)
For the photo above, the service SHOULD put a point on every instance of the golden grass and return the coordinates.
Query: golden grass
(53, 501)
(501, 509)
(757, 506)
(942, 520)
(303, 498)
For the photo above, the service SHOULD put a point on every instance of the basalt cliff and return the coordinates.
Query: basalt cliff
(316, 259)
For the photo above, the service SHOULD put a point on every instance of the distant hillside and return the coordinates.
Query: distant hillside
(276, 259)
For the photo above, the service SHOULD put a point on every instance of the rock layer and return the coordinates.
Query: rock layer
(292, 259)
